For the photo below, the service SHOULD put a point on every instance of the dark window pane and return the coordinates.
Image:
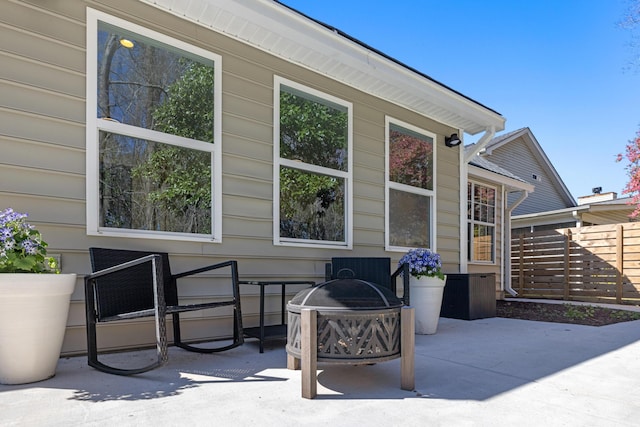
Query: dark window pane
(409, 219)
(313, 130)
(145, 185)
(150, 85)
(312, 206)
(483, 242)
(410, 158)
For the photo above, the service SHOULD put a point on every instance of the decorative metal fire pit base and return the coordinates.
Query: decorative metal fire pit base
(352, 322)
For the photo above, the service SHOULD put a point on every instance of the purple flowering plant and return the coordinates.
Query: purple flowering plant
(22, 249)
(423, 263)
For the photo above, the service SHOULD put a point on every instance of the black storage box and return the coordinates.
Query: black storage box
(469, 296)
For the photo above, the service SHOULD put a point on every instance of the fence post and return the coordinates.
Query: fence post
(619, 262)
(521, 270)
(567, 259)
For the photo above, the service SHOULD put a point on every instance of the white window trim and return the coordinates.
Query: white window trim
(94, 125)
(277, 162)
(472, 222)
(408, 188)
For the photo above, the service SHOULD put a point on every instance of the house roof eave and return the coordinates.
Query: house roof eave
(284, 32)
(554, 213)
(511, 183)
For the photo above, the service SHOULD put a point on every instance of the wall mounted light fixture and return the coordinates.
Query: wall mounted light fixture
(452, 141)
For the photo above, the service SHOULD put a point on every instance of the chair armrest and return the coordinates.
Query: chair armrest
(122, 266)
(404, 270)
(232, 264)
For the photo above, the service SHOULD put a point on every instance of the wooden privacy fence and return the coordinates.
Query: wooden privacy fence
(594, 264)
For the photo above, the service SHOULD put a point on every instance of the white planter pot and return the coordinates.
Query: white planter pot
(426, 297)
(33, 319)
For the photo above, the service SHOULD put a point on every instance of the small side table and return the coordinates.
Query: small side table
(271, 332)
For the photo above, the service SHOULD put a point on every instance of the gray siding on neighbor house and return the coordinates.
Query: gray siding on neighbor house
(517, 157)
(42, 168)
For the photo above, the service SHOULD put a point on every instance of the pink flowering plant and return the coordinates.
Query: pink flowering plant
(22, 249)
(423, 263)
(632, 188)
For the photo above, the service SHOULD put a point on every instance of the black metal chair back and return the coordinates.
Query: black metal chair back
(128, 290)
(370, 269)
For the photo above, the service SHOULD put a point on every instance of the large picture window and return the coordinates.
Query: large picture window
(312, 160)
(481, 215)
(153, 134)
(410, 186)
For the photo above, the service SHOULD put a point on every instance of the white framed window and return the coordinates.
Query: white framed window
(312, 182)
(153, 134)
(410, 186)
(481, 217)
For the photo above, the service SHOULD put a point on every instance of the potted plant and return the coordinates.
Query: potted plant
(34, 303)
(427, 287)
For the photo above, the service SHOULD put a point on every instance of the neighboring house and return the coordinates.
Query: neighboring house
(551, 205)
(595, 209)
(520, 153)
(172, 126)
(489, 217)
(518, 156)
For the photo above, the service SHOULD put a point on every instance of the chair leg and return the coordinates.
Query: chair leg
(119, 371)
(238, 335)
(93, 361)
(92, 354)
(92, 346)
(238, 332)
(161, 346)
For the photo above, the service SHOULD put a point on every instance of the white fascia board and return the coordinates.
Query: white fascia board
(510, 183)
(280, 31)
(553, 214)
(519, 222)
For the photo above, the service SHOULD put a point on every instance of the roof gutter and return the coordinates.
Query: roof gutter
(489, 133)
(577, 217)
(506, 243)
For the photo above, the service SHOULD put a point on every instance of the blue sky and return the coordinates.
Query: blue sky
(559, 67)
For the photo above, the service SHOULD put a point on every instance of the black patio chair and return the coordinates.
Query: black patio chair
(134, 284)
(370, 269)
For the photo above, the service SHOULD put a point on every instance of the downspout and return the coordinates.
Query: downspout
(489, 133)
(577, 217)
(503, 244)
(506, 242)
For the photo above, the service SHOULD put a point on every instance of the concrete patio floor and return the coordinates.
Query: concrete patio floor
(487, 372)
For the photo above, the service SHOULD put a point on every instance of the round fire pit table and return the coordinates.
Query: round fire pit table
(348, 321)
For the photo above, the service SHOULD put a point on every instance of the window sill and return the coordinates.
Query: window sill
(133, 234)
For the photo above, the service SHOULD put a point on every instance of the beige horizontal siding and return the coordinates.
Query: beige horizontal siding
(42, 114)
(42, 102)
(42, 48)
(37, 128)
(16, 151)
(24, 70)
